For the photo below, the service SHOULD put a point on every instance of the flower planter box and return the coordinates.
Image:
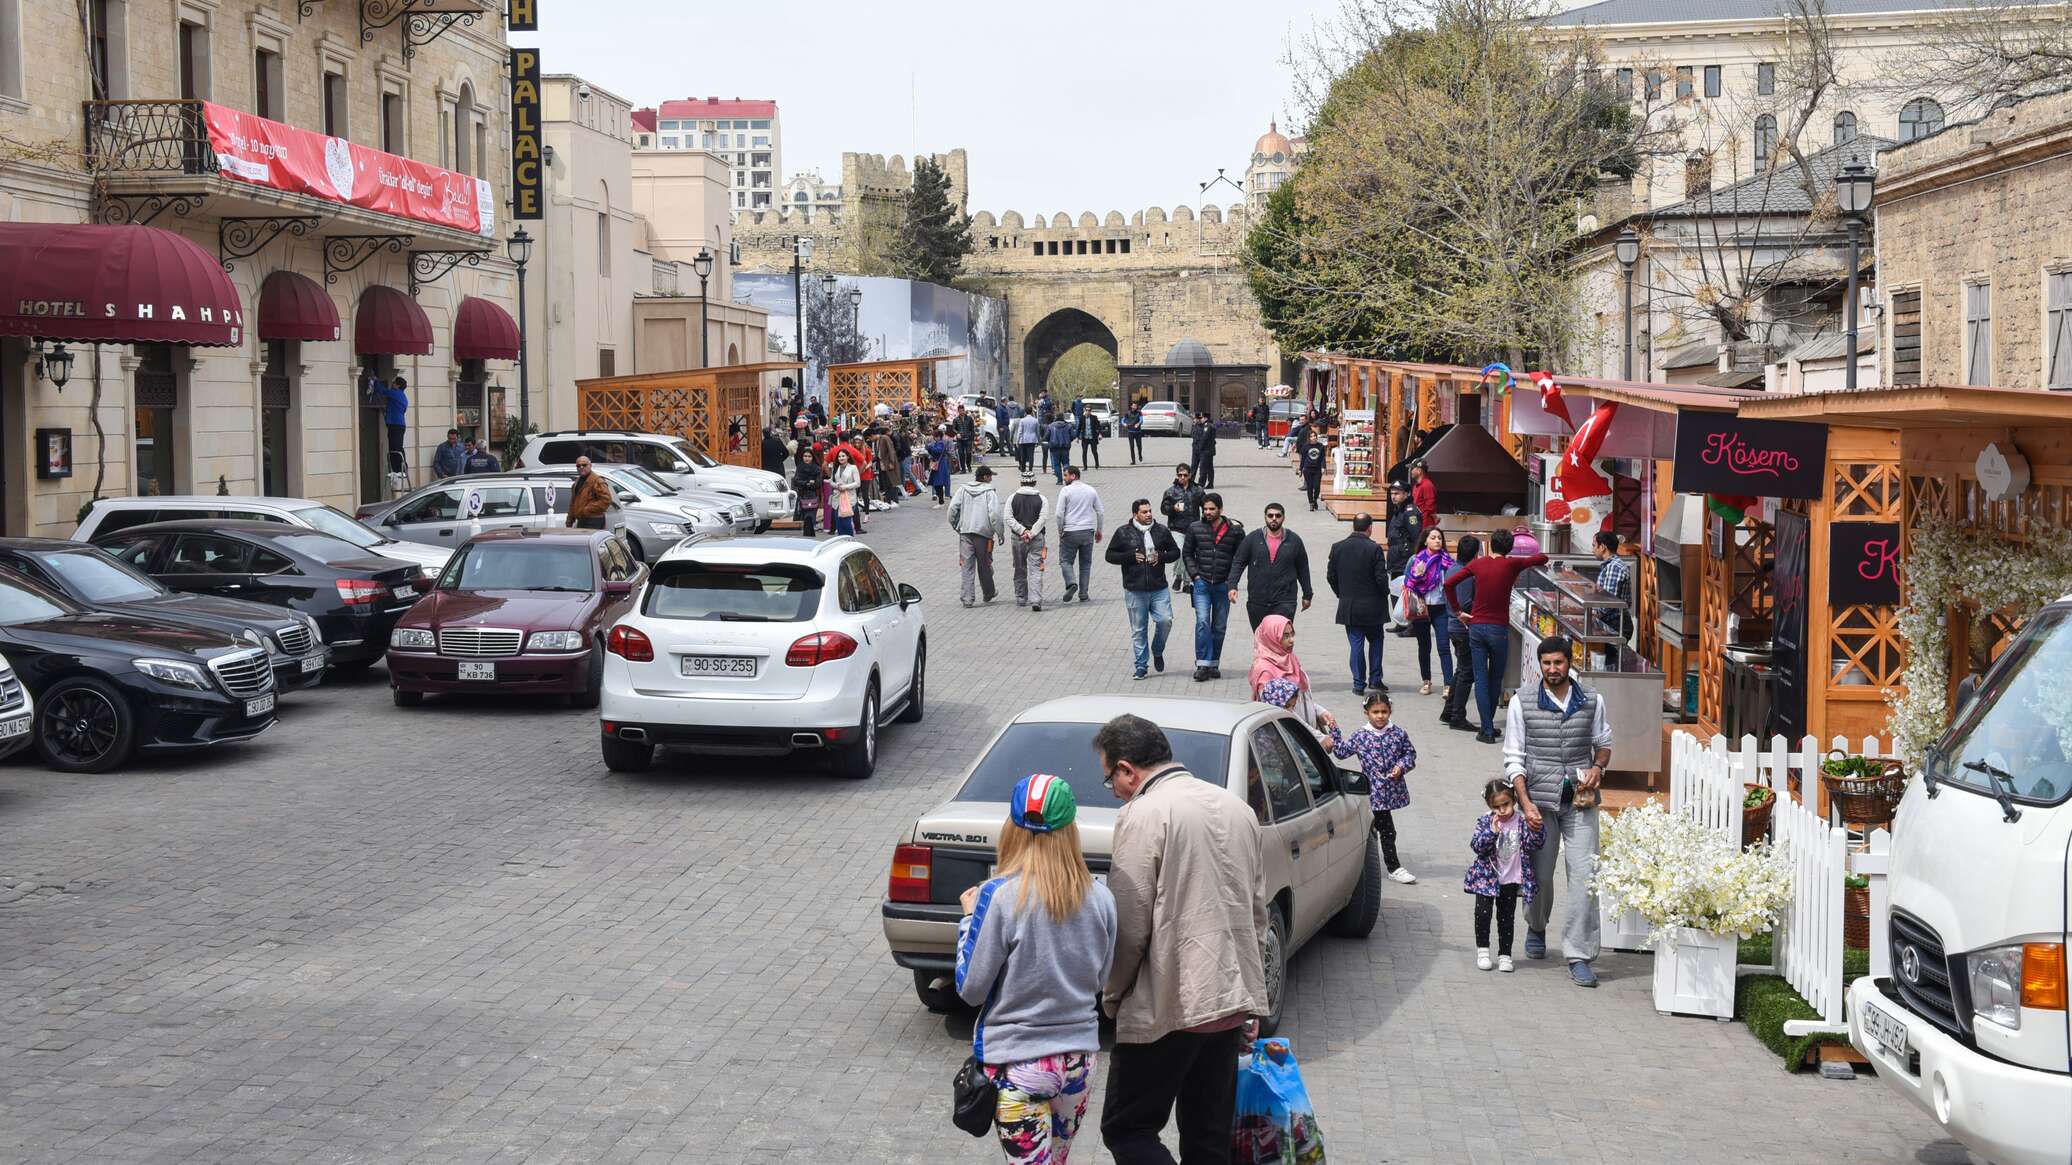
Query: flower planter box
(1622, 930)
(1694, 975)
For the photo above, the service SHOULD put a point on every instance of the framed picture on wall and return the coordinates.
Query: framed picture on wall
(53, 453)
(496, 414)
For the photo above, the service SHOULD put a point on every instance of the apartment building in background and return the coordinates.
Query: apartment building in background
(744, 133)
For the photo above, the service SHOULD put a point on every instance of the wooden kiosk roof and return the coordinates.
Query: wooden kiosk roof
(698, 404)
(1919, 408)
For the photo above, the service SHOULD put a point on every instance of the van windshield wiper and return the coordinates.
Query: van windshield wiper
(2003, 787)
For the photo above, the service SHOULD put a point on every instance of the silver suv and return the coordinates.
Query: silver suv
(670, 458)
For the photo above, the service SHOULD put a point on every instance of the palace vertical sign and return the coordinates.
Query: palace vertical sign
(522, 16)
(528, 179)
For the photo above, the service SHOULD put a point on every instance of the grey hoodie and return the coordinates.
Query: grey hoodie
(976, 510)
(1037, 981)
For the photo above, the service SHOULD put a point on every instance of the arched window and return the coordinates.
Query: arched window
(1697, 175)
(463, 133)
(1765, 140)
(1845, 128)
(1919, 118)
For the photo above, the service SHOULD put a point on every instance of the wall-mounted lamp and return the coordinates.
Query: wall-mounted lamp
(54, 365)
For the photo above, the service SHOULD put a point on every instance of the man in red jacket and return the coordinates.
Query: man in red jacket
(1489, 620)
(1423, 494)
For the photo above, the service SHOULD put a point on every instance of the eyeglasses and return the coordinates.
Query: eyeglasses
(1108, 775)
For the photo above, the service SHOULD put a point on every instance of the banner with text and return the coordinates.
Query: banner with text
(1862, 563)
(528, 180)
(1720, 453)
(269, 153)
(522, 16)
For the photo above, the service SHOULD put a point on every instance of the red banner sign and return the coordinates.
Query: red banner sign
(284, 157)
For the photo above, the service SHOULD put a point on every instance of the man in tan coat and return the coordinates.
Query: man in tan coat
(590, 500)
(1189, 973)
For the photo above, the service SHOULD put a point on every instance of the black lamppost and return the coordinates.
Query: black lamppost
(1628, 250)
(519, 248)
(703, 266)
(1853, 189)
(801, 250)
(856, 321)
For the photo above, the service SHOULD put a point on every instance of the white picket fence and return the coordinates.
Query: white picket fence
(1709, 781)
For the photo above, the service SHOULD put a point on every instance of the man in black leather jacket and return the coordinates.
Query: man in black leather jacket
(1206, 554)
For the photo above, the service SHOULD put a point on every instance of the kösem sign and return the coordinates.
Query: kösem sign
(1720, 453)
(1862, 563)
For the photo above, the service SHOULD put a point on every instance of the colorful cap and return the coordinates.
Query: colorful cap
(1278, 691)
(1042, 803)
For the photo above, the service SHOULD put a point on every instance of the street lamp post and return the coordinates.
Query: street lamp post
(1628, 250)
(801, 250)
(856, 321)
(519, 248)
(1853, 189)
(703, 266)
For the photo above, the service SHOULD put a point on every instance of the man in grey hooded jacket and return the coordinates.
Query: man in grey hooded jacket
(1027, 511)
(975, 514)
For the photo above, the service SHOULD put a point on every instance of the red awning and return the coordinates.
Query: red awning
(116, 285)
(484, 331)
(293, 307)
(389, 323)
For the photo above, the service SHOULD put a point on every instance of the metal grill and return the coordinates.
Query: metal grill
(1922, 973)
(479, 641)
(244, 673)
(10, 691)
(293, 640)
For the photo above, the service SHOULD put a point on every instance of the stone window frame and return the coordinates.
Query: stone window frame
(2051, 272)
(201, 14)
(1889, 348)
(12, 83)
(1976, 357)
(393, 81)
(336, 55)
(270, 34)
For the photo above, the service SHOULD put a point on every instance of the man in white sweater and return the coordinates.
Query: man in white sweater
(1080, 522)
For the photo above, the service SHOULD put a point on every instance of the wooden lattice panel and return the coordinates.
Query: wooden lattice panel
(1754, 549)
(1865, 648)
(1712, 641)
(611, 408)
(1871, 491)
(848, 393)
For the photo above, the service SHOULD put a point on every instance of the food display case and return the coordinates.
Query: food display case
(1559, 599)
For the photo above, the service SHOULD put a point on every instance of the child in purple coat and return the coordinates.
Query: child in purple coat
(1501, 873)
(1386, 754)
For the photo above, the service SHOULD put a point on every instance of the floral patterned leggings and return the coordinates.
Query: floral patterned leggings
(1041, 1104)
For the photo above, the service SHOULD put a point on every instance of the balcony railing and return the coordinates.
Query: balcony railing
(147, 137)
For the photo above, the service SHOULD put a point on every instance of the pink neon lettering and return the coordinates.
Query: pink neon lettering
(1744, 459)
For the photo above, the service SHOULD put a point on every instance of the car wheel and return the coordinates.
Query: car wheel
(1361, 911)
(762, 527)
(627, 756)
(593, 686)
(992, 443)
(405, 698)
(858, 760)
(83, 725)
(941, 1000)
(917, 691)
(1276, 970)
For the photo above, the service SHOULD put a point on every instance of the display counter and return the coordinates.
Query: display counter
(1557, 599)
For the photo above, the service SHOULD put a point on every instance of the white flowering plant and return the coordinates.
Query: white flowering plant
(1678, 873)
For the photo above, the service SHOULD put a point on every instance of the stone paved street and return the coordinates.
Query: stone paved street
(449, 935)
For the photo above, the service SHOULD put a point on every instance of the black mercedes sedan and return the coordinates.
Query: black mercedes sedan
(91, 577)
(354, 597)
(108, 685)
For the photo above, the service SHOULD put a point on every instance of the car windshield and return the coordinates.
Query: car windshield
(1067, 750)
(2016, 735)
(325, 520)
(322, 547)
(735, 593)
(639, 481)
(697, 456)
(95, 577)
(519, 566)
(19, 604)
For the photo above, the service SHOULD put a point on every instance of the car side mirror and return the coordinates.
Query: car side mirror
(628, 497)
(618, 586)
(1355, 781)
(908, 595)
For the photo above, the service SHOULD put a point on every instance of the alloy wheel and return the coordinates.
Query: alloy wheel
(81, 725)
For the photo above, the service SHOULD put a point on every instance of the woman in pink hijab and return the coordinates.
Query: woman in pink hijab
(1273, 658)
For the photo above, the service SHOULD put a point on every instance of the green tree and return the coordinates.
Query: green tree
(1086, 370)
(936, 236)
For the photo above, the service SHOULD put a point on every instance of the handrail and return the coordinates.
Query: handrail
(147, 137)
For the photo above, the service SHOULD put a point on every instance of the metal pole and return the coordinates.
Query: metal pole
(798, 311)
(704, 361)
(1849, 308)
(1626, 360)
(524, 348)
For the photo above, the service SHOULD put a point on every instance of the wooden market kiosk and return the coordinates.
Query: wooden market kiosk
(719, 410)
(855, 390)
(1383, 411)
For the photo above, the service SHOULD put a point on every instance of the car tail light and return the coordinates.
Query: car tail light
(359, 592)
(629, 644)
(818, 648)
(911, 865)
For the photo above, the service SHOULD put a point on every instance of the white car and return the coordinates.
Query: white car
(672, 459)
(1164, 416)
(17, 712)
(109, 515)
(764, 646)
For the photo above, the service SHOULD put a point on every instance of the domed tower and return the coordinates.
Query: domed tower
(1273, 162)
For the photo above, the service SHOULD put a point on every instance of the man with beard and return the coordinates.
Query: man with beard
(1280, 567)
(1210, 546)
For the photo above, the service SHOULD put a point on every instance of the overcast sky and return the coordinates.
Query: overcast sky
(1070, 105)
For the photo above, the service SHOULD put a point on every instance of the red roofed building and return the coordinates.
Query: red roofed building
(742, 132)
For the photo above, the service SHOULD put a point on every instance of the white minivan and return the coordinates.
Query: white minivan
(1970, 1021)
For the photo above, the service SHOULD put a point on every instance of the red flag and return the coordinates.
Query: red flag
(1551, 401)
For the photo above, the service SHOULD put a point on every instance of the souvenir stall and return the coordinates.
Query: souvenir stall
(718, 410)
(855, 390)
(1382, 413)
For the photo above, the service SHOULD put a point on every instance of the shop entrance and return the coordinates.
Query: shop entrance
(276, 388)
(157, 392)
(373, 434)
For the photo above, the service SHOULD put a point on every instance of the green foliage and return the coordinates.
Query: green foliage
(1085, 370)
(936, 236)
(1765, 1002)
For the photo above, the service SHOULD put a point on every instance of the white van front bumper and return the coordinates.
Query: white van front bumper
(2009, 1114)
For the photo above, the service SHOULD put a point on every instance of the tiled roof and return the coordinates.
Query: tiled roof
(1829, 345)
(1691, 356)
(714, 107)
(1779, 191)
(644, 119)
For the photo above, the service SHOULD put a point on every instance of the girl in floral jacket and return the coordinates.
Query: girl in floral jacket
(1504, 843)
(1386, 754)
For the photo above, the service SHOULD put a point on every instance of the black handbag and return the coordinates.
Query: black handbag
(973, 1098)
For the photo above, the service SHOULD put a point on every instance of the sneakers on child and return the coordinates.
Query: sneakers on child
(1402, 875)
(1503, 963)
(1482, 962)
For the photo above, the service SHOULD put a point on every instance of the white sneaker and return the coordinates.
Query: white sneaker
(1503, 963)
(1402, 875)
(1482, 962)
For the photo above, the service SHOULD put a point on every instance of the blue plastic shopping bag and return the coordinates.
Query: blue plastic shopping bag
(1276, 1124)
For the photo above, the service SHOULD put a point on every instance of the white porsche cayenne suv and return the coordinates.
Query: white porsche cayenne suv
(764, 646)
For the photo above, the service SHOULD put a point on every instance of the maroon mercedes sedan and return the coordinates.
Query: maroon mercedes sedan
(516, 611)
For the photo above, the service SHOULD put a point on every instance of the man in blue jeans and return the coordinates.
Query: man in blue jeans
(1143, 548)
(1488, 618)
(1206, 554)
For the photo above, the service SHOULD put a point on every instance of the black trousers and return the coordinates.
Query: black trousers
(807, 514)
(1385, 830)
(964, 445)
(1091, 451)
(1257, 611)
(397, 457)
(1505, 906)
(1025, 456)
(1193, 1071)
(1463, 689)
(1205, 473)
(1136, 447)
(1312, 484)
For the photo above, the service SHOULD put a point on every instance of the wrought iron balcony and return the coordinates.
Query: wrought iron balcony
(147, 137)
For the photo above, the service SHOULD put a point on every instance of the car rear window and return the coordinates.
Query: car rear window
(321, 547)
(728, 592)
(1067, 750)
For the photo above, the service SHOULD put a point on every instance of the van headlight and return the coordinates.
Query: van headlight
(1996, 984)
(172, 671)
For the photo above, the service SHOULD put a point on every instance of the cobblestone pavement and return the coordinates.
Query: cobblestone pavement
(449, 935)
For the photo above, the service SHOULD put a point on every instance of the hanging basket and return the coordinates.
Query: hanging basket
(1863, 790)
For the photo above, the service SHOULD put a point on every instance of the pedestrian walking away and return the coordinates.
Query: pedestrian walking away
(1404, 533)
(807, 480)
(1034, 949)
(590, 500)
(1309, 461)
(773, 451)
(1280, 570)
(1455, 715)
(1133, 428)
(1206, 552)
(1506, 846)
(1557, 743)
(1386, 758)
(1489, 615)
(1424, 605)
(976, 516)
(1143, 549)
(843, 485)
(1080, 523)
(1273, 658)
(939, 467)
(1027, 431)
(1204, 459)
(1028, 518)
(1191, 928)
(1059, 436)
(1357, 573)
(450, 458)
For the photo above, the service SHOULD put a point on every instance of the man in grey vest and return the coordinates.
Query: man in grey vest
(1557, 742)
(1027, 512)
